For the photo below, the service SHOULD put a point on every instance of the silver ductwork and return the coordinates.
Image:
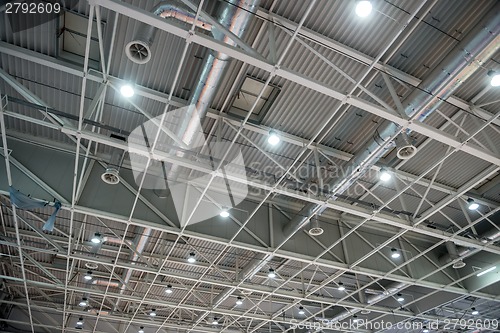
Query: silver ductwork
(106, 283)
(111, 175)
(404, 147)
(465, 58)
(140, 244)
(235, 15)
(139, 49)
(315, 228)
(388, 292)
(456, 253)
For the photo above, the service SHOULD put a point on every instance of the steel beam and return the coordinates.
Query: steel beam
(203, 40)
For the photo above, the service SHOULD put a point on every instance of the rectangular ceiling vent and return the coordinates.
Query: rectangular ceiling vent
(247, 96)
(73, 36)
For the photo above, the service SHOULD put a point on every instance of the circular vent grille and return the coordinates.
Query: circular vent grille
(316, 231)
(459, 264)
(407, 152)
(91, 265)
(138, 51)
(111, 176)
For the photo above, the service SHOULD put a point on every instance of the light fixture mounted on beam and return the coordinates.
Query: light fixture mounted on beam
(495, 78)
(471, 204)
(395, 253)
(363, 8)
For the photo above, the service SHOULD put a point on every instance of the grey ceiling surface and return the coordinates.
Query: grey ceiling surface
(64, 121)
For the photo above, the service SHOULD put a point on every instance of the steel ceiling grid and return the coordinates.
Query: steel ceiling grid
(447, 23)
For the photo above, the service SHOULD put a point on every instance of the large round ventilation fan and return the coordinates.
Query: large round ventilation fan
(111, 176)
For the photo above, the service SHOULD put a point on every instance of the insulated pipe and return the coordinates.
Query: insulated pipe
(139, 49)
(389, 291)
(115, 240)
(456, 252)
(465, 58)
(140, 244)
(106, 283)
(235, 15)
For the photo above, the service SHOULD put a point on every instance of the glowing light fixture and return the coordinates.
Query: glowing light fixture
(97, 238)
(364, 8)
(224, 213)
(487, 271)
(425, 330)
(271, 273)
(152, 313)
(474, 312)
(84, 302)
(355, 319)
(239, 301)
(400, 298)
(127, 90)
(191, 259)
(169, 289)
(273, 139)
(80, 321)
(341, 286)
(88, 276)
(472, 205)
(385, 175)
(395, 254)
(301, 310)
(141, 330)
(215, 321)
(495, 78)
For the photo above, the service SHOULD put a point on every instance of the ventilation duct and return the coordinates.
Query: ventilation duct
(404, 147)
(140, 244)
(106, 283)
(234, 15)
(111, 175)
(315, 228)
(388, 292)
(465, 58)
(139, 49)
(455, 253)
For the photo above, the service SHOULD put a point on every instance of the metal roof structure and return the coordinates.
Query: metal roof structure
(312, 239)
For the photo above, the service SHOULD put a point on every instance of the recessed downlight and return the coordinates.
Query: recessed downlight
(169, 289)
(363, 8)
(127, 90)
(395, 253)
(192, 258)
(88, 276)
(273, 139)
(385, 175)
(471, 204)
(96, 238)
